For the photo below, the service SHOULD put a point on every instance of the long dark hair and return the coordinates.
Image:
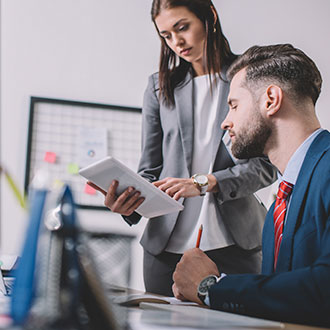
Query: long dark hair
(218, 54)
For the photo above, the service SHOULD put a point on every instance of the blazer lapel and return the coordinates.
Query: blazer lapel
(183, 96)
(184, 99)
(222, 111)
(299, 194)
(268, 243)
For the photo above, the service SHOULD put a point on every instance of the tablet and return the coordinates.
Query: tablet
(156, 202)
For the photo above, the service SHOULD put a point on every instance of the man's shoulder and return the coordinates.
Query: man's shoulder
(320, 147)
(315, 169)
(319, 159)
(323, 138)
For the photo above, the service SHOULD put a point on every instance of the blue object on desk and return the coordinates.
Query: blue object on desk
(3, 288)
(55, 263)
(23, 289)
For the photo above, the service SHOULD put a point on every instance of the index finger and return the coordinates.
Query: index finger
(111, 194)
(159, 182)
(93, 185)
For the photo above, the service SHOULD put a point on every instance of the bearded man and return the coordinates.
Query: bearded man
(272, 100)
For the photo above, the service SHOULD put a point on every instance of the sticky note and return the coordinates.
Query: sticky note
(50, 157)
(57, 184)
(89, 190)
(73, 168)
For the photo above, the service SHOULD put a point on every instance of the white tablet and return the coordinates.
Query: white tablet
(156, 202)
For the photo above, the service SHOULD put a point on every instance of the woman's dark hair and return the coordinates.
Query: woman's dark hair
(217, 50)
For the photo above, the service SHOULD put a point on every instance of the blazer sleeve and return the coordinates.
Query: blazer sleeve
(151, 161)
(301, 295)
(244, 179)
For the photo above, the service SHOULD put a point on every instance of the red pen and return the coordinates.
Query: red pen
(200, 231)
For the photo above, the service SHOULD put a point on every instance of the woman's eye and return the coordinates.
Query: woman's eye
(183, 27)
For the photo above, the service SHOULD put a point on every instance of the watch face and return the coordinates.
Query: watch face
(206, 283)
(201, 179)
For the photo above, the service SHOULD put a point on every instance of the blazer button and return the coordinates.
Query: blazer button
(225, 306)
(232, 194)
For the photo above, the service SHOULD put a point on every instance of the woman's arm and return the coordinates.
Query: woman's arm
(151, 161)
(231, 183)
(244, 179)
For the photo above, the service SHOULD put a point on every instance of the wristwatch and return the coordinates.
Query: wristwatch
(202, 182)
(204, 285)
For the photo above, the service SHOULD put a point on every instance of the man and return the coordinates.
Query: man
(272, 100)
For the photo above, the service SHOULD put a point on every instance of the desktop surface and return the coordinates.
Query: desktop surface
(153, 316)
(167, 316)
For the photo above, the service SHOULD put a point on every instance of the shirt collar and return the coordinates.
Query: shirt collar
(294, 165)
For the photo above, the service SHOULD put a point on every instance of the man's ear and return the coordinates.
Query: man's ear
(273, 99)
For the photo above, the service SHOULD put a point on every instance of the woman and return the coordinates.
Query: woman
(186, 155)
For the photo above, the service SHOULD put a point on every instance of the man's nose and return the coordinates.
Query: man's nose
(226, 124)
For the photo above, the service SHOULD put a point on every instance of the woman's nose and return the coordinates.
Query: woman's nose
(178, 41)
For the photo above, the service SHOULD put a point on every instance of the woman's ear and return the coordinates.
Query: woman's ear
(273, 99)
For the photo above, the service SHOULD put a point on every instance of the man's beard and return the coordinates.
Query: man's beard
(251, 141)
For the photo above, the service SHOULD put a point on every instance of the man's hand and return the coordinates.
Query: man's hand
(125, 204)
(191, 269)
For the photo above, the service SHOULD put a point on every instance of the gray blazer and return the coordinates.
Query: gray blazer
(167, 147)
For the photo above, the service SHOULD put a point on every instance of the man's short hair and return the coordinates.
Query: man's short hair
(290, 67)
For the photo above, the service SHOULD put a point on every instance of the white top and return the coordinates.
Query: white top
(201, 210)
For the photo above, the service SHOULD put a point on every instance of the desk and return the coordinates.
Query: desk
(165, 316)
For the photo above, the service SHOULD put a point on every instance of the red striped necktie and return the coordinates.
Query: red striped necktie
(283, 194)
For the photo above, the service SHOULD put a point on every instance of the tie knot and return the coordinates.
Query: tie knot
(284, 190)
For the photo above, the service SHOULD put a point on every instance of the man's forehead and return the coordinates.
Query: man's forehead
(238, 78)
(236, 84)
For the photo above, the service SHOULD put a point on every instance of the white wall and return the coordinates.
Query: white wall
(98, 51)
(303, 23)
(102, 51)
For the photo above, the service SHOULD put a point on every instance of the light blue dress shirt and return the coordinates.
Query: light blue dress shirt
(294, 165)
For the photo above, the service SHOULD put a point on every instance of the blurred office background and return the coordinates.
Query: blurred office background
(103, 51)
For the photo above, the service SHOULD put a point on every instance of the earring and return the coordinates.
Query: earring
(214, 29)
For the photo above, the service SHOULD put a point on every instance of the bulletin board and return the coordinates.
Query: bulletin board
(64, 136)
